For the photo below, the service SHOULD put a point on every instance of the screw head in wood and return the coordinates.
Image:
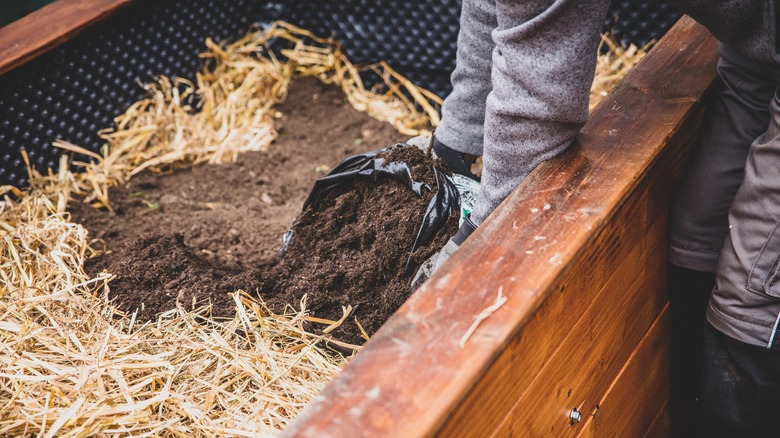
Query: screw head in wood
(575, 416)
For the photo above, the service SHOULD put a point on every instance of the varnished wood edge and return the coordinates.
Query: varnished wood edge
(606, 105)
(48, 27)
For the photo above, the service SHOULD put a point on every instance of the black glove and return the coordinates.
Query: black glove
(458, 162)
(454, 159)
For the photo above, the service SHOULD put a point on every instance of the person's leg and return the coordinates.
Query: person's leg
(736, 115)
(745, 302)
(463, 111)
(741, 386)
(543, 66)
(689, 291)
(741, 391)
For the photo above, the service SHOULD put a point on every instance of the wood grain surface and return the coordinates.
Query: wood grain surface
(643, 381)
(49, 27)
(578, 250)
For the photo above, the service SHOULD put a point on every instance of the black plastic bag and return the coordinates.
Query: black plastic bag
(372, 167)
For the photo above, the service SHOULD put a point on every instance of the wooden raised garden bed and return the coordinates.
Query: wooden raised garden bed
(552, 319)
(579, 253)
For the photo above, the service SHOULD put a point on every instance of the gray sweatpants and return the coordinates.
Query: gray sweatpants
(725, 216)
(520, 86)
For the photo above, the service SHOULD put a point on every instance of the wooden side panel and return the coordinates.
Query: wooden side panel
(587, 340)
(49, 27)
(596, 348)
(638, 396)
(557, 351)
(578, 252)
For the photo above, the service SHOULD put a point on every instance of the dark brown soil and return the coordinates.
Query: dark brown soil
(157, 271)
(353, 249)
(198, 234)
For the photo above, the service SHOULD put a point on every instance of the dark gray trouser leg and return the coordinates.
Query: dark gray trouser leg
(520, 96)
(745, 302)
(741, 388)
(736, 115)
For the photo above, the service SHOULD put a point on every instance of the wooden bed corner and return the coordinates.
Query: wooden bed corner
(579, 251)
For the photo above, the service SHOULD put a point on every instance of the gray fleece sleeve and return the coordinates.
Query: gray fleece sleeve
(540, 71)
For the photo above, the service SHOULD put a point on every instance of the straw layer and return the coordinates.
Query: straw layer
(72, 365)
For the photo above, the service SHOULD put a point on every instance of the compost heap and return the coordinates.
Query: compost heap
(349, 252)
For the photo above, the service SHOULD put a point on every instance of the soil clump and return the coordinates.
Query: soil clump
(195, 235)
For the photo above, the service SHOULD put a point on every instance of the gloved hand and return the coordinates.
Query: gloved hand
(465, 181)
(428, 267)
(467, 184)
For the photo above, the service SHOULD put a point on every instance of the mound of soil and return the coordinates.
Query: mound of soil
(353, 249)
(197, 234)
(235, 214)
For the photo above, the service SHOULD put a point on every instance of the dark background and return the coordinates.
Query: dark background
(11, 10)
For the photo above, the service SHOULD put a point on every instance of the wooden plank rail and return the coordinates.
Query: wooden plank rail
(579, 251)
(49, 27)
